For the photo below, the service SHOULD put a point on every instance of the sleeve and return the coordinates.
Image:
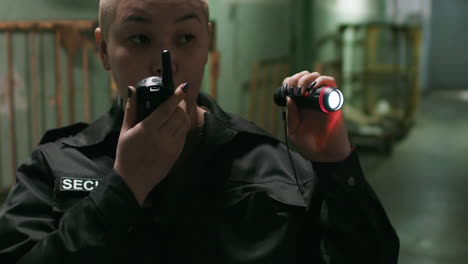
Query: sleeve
(357, 229)
(31, 232)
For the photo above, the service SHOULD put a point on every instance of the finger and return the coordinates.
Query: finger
(130, 116)
(166, 109)
(292, 116)
(178, 118)
(325, 81)
(307, 81)
(285, 84)
(293, 83)
(182, 130)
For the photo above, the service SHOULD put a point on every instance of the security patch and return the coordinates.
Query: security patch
(78, 184)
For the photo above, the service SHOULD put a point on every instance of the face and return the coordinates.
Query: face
(142, 29)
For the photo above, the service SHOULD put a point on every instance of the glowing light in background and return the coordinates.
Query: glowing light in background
(352, 8)
(359, 10)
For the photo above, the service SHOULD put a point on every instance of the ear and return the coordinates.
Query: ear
(102, 48)
(211, 41)
(210, 28)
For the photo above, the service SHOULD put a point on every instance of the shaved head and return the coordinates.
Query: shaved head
(107, 10)
(106, 14)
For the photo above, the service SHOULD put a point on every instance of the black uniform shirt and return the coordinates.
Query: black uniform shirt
(236, 200)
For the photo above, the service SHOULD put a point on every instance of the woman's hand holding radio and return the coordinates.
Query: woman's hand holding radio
(147, 151)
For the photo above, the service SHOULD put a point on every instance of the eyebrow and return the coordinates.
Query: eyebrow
(136, 19)
(188, 17)
(146, 20)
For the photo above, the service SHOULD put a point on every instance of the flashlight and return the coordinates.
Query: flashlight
(327, 99)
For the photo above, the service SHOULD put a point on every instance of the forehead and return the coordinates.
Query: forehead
(157, 8)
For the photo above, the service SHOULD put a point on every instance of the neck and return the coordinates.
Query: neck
(196, 116)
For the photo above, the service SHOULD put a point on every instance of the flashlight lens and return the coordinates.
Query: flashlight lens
(334, 100)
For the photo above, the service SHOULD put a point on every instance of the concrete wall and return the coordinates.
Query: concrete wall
(14, 10)
(248, 31)
(448, 51)
(444, 56)
(328, 15)
(416, 12)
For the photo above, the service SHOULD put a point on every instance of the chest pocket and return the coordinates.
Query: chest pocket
(70, 189)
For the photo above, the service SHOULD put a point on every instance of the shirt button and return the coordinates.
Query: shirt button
(351, 181)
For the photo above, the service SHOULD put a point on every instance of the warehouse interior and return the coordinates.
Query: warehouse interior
(401, 64)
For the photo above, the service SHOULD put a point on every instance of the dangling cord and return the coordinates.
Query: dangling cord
(289, 152)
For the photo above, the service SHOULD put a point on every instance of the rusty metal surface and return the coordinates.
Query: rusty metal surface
(36, 56)
(265, 77)
(86, 100)
(51, 26)
(32, 36)
(58, 80)
(11, 102)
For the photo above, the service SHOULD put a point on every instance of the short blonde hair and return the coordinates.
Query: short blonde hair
(107, 9)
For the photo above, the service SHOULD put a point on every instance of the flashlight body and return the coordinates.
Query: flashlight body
(150, 94)
(317, 99)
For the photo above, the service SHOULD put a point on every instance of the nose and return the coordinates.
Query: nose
(157, 71)
(157, 66)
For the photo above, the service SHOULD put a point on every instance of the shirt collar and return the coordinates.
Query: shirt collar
(100, 129)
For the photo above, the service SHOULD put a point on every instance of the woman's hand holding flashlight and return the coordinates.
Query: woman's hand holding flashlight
(317, 136)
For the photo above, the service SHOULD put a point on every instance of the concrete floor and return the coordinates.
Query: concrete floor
(423, 184)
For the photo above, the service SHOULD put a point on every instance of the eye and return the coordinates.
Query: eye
(186, 38)
(139, 40)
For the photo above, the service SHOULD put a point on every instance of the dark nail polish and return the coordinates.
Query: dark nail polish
(129, 92)
(284, 88)
(186, 87)
(311, 86)
(291, 91)
(299, 91)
